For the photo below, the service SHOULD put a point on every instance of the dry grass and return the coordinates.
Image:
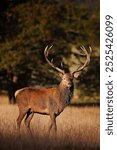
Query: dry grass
(78, 129)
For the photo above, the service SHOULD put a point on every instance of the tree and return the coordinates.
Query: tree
(28, 26)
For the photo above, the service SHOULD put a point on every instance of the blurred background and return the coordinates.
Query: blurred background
(28, 26)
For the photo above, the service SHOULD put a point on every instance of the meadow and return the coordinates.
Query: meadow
(78, 128)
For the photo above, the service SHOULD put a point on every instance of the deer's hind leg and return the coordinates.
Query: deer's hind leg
(28, 120)
(22, 113)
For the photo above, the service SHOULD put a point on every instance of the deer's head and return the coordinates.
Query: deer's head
(67, 78)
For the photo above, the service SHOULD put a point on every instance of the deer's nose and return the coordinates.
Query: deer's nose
(69, 84)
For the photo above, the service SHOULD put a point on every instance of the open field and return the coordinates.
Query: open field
(78, 129)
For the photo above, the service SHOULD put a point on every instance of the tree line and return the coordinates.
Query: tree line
(27, 27)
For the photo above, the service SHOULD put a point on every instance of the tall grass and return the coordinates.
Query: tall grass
(78, 129)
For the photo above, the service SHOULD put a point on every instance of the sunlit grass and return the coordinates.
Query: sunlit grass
(78, 128)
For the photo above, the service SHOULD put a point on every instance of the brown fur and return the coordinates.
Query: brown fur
(48, 101)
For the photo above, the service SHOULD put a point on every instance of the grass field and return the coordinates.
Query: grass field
(78, 129)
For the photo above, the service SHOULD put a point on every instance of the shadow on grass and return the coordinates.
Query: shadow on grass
(85, 104)
(24, 142)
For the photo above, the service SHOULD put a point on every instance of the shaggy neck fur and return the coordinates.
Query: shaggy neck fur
(66, 93)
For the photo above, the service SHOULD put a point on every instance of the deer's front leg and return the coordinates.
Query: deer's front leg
(53, 126)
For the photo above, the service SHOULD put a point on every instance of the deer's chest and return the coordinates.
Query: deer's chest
(65, 96)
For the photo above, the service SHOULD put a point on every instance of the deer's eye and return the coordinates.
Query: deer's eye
(65, 79)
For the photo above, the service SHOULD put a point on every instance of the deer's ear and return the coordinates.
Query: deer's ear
(76, 75)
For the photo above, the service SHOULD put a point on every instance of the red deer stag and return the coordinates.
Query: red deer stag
(48, 101)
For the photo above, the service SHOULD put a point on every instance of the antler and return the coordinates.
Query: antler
(46, 52)
(81, 67)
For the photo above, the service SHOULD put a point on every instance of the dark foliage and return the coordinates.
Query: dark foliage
(27, 26)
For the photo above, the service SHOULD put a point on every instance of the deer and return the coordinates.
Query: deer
(49, 101)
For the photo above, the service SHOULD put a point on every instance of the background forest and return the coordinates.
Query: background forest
(28, 26)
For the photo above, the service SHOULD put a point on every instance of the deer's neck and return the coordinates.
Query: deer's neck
(66, 93)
